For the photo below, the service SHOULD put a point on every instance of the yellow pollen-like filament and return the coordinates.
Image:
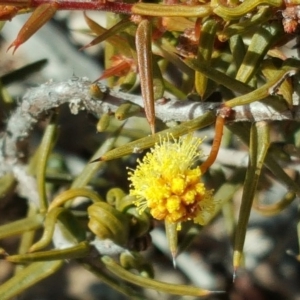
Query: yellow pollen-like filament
(178, 185)
(159, 212)
(189, 196)
(200, 188)
(177, 216)
(192, 176)
(173, 204)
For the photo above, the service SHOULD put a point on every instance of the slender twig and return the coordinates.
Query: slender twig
(38, 101)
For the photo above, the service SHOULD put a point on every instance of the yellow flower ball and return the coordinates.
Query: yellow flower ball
(168, 183)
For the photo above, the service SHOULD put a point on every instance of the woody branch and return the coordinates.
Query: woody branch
(76, 92)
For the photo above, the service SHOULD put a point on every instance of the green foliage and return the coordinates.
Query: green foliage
(225, 56)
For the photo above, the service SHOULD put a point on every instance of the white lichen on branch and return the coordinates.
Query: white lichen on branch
(38, 101)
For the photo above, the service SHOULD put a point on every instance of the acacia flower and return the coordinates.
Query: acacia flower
(169, 185)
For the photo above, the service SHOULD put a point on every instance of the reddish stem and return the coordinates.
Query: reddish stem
(216, 144)
(116, 7)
